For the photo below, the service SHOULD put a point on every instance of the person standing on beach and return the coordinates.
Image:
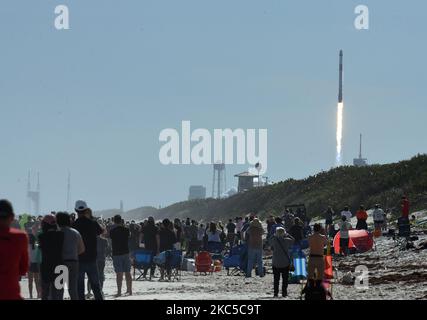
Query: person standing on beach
(89, 229)
(150, 237)
(72, 248)
(255, 232)
(167, 241)
(51, 245)
(361, 216)
(193, 244)
(34, 271)
(14, 260)
(347, 213)
(405, 207)
(231, 232)
(245, 227)
(134, 236)
(297, 231)
(270, 222)
(345, 226)
(281, 244)
(121, 260)
(378, 216)
(329, 219)
(101, 256)
(316, 263)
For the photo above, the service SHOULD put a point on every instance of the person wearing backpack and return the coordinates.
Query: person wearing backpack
(281, 244)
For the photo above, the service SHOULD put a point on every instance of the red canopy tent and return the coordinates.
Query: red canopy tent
(361, 240)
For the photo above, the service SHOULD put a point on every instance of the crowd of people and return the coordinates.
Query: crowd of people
(82, 243)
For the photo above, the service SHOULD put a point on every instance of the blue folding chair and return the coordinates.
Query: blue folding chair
(236, 260)
(174, 263)
(142, 261)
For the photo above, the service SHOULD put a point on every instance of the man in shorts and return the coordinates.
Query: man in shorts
(121, 260)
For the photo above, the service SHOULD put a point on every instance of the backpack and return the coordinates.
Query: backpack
(314, 290)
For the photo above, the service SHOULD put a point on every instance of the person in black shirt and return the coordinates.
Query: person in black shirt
(51, 241)
(177, 225)
(231, 232)
(151, 239)
(121, 261)
(167, 240)
(89, 229)
(134, 236)
(296, 231)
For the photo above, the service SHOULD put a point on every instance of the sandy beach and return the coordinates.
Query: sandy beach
(393, 275)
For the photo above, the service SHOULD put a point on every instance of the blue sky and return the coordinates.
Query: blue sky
(94, 99)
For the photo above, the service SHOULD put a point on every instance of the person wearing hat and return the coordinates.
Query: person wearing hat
(89, 229)
(51, 242)
(14, 260)
(255, 232)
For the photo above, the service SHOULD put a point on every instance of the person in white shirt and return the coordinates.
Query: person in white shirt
(378, 216)
(345, 226)
(347, 213)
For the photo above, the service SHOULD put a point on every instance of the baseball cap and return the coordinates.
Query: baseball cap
(80, 205)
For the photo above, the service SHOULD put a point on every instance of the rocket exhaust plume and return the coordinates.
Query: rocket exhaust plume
(339, 133)
(340, 109)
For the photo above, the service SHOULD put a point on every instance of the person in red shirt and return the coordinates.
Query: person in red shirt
(14, 261)
(362, 216)
(405, 207)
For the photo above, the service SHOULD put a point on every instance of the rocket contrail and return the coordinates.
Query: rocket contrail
(340, 109)
(339, 132)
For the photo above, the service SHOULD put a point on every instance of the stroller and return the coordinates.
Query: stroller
(142, 261)
(236, 260)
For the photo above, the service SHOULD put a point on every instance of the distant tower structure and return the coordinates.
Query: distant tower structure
(196, 192)
(245, 181)
(121, 206)
(360, 162)
(218, 181)
(33, 196)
